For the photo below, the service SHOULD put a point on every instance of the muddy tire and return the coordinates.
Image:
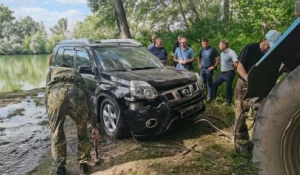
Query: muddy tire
(112, 120)
(276, 133)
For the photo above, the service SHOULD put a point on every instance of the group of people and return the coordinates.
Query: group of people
(208, 61)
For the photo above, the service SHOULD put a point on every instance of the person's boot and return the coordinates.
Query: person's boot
(84, 168)
(61, 171)
(246, 148)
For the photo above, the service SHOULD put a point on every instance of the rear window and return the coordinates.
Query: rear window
(57, 59)
(68, 57)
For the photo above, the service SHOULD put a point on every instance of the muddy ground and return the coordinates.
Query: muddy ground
(26, 148)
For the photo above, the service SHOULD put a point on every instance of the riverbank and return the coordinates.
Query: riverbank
(213, 154)
(24, 133)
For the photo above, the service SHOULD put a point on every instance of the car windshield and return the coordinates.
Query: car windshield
(126, 58)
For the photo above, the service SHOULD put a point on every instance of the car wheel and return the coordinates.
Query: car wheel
(276, 132)
(112, 120)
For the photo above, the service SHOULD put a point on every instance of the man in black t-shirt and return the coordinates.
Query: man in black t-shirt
(249, 56)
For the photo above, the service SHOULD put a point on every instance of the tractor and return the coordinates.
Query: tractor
(274, 84)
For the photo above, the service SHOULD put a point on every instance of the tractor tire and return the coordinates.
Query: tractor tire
(276, 133)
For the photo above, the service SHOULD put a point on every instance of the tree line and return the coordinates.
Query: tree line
(26, 36)
(238, 21)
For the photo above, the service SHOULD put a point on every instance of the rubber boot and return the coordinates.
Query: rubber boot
(84, 168)
(61, 171)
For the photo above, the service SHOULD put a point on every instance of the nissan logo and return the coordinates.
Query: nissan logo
(185, 92)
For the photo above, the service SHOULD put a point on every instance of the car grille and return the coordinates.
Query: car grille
(181, 93)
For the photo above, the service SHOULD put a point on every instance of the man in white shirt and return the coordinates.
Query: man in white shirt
(229, 62)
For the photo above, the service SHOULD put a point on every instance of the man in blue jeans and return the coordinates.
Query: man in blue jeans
(229, 62)
(208, 60)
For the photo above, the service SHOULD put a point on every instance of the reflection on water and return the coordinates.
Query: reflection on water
(23, 72)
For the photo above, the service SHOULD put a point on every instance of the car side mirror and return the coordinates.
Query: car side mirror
(85, 69)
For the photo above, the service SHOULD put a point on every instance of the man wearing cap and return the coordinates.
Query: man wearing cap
(249, 56)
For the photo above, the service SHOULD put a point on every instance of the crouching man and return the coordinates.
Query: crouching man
(66, 94)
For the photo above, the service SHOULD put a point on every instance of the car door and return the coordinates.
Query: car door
(84, 60)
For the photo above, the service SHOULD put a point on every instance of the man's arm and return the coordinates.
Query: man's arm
(217, 59)
(176, 58)
(235, 64)
(168, 60)
(234, 59)
(242, 58)
(192, 59)
(241, 71)
(199, 62)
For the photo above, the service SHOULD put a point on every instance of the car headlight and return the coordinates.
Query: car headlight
(199, 81)
(142, 90)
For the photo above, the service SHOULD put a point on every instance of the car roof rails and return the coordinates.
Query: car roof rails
(83, 41)
(120, 41)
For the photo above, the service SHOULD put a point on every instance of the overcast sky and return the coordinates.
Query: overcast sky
(49, 11)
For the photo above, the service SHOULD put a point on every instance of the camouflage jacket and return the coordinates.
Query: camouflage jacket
(64, 75)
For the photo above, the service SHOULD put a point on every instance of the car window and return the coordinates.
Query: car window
(119, 58)
(68, 57)
(82, 59)
(57, 59)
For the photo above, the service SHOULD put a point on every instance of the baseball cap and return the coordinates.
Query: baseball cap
(272, 36)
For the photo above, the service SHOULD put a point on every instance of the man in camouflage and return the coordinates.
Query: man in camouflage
(66, 94)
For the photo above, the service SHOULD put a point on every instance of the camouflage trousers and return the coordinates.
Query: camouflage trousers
(62, 101)
(240, 104)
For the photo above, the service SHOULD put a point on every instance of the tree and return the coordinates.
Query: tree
(111, 14)
(6, 18)
(61, 27)
(183, 14)
(121, 19)
(226, 10)
(42, 29)
(259, 16)
(90, 28)
(27, 27)
(38, 43)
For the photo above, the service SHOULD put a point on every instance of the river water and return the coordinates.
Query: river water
(23, 72)
(23, 141)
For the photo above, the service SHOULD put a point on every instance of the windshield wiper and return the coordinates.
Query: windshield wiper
(141, 68)
(119, 70)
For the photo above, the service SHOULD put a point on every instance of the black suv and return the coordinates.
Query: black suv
(133, 91)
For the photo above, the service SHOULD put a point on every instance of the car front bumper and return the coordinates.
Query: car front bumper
(151, 120)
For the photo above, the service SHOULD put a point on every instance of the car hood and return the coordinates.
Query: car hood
(162, 79)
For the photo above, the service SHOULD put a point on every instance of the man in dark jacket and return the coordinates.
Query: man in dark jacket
(66, 94)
